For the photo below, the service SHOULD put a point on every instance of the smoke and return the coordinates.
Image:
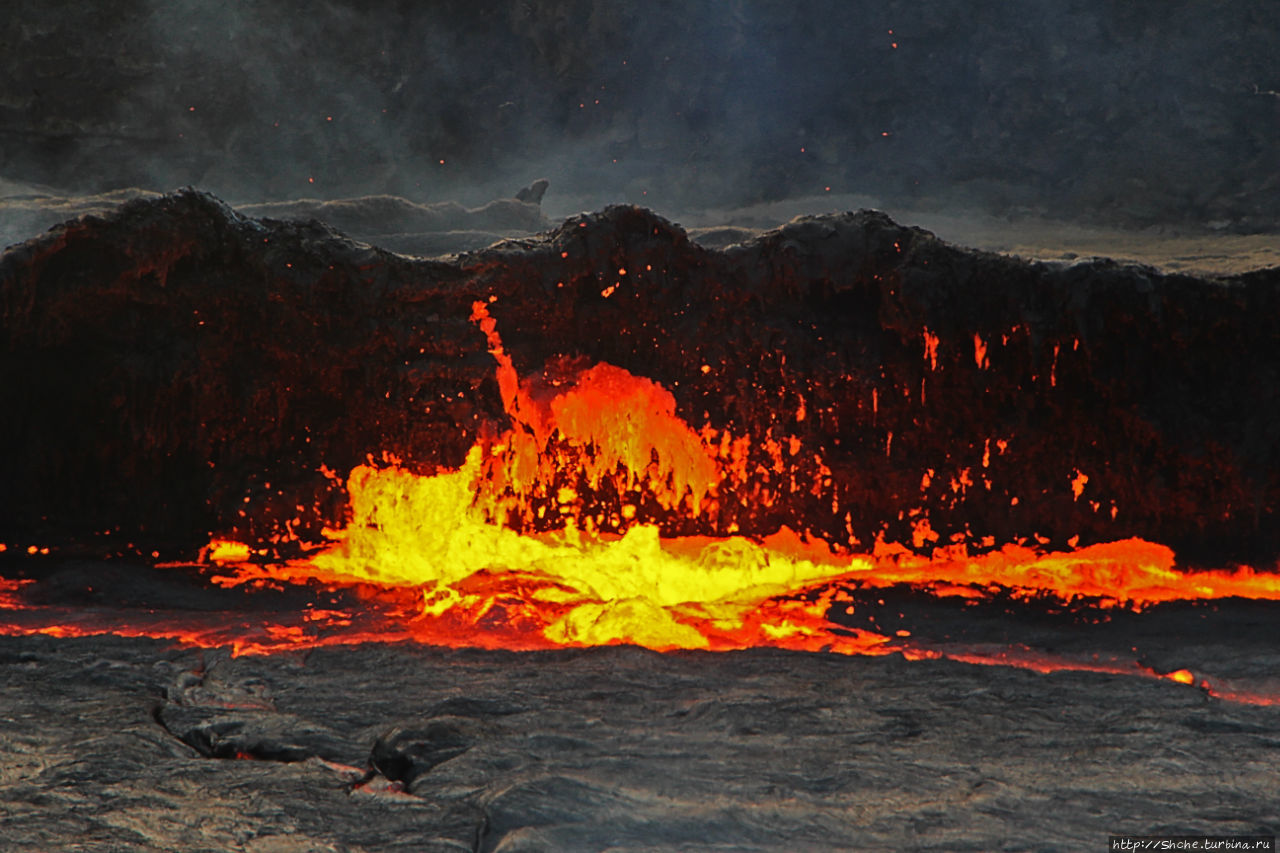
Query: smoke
(1143, 111)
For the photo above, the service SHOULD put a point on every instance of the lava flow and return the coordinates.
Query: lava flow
(469, 557)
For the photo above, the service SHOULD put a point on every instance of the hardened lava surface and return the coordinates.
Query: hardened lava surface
(112, 743)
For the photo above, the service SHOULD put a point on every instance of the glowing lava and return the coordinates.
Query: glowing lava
(448, 559)
(484, 583)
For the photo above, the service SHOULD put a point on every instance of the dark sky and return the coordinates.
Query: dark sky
(1148, 108)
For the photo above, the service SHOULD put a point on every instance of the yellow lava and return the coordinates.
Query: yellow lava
(430, 532)
(484, 582)
(410, 530)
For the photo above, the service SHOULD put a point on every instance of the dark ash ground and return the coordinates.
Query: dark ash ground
(111, 744)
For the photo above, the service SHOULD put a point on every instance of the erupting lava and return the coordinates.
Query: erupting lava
(456, 558)
(483, 583)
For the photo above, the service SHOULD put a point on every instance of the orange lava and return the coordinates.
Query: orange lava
(438, 559)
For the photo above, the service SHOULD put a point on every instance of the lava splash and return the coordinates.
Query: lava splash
(567, 524)
(451, 543)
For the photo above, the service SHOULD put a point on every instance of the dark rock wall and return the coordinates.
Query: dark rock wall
(163, 364)
(1153, 386)
(178, 352)
(1148, 111)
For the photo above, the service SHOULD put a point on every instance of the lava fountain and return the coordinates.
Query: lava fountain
(449, 536)
(592, 508)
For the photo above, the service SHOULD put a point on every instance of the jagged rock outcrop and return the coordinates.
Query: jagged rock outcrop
(175, 368)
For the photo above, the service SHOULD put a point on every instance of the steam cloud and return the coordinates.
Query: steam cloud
(1144, 110)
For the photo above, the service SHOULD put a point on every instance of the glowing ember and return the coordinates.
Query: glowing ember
(9, 599)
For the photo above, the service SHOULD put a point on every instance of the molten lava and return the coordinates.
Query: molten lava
(453, 537)
(595, 458)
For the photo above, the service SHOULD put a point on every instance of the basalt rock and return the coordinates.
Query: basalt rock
(175, 369)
